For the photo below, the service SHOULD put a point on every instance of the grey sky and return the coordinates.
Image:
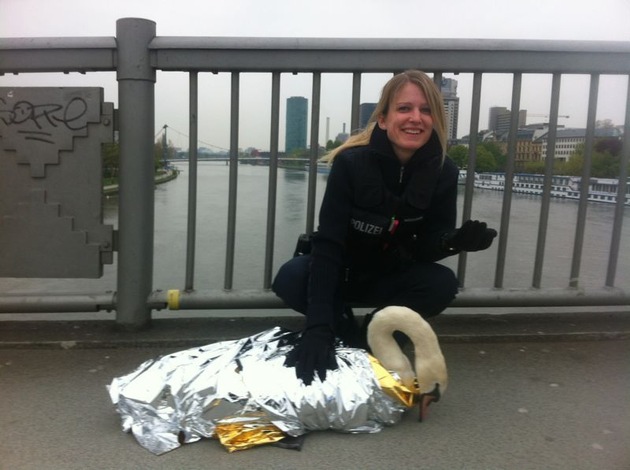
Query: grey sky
(534, 19)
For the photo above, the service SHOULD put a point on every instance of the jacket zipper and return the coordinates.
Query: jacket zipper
(402, 170)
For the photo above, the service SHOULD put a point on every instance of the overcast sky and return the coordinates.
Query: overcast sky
(509, 19)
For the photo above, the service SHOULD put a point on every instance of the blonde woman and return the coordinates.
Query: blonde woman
(388, 214)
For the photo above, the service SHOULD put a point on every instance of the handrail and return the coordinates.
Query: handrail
(386, 55)
(19, 55)
(218, 54)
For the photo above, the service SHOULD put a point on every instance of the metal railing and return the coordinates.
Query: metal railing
(136, 53)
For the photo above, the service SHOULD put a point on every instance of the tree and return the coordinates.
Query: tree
(605, 123)
(604, 164)
(572, 167)
(333, 144)
(485, 160)
(110, 154)
(459, 154)
(610, 145)
(499, 158)
(159, 155)
(537, 168)
(489, 157)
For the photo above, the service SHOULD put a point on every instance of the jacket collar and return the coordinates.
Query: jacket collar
(430, 151)
(424, 168)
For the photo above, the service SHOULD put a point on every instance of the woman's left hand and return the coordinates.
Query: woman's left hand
(471, 236)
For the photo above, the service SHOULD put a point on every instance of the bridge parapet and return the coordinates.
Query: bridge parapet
(137, 53)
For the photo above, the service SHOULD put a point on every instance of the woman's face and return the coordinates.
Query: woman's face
(408, 121)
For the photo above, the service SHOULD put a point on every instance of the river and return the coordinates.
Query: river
(170, 235)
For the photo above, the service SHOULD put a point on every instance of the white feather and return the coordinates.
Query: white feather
(430, 366)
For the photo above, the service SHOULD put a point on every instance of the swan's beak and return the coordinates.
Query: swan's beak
(426, 399)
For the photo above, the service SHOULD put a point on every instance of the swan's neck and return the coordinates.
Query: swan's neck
(430, 366)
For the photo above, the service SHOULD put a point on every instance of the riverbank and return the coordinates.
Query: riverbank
(160, 178)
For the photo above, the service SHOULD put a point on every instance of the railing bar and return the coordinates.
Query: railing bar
(546, 195)
(312, 169)
(273, 178)
(193, 127)
(470, 167)
(356, 102)
(584, 182)
(233, 179)
(621, 197)
(304, 55)
(509, 176)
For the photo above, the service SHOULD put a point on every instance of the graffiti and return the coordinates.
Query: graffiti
(68, 115)
(37, 135)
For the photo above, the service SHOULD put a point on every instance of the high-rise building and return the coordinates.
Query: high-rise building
(499, 119)
(448, 88)
(365, 112)
(297, 112)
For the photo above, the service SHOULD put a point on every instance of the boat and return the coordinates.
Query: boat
(568, 187)
(599, 190)
(463, 174)
(322, 167)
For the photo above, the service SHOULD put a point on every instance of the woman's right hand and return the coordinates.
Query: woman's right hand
(315, 352)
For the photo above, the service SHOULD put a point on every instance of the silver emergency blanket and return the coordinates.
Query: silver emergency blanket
(185, 396)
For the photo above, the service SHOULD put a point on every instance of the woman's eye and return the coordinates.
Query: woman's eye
(403, 109)
(425, 111)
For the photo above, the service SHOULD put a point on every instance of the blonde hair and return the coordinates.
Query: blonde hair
(431, 92)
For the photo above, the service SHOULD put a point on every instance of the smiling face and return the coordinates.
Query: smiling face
(408, 121)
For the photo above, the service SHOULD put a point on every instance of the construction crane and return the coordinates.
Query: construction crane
(564, 116)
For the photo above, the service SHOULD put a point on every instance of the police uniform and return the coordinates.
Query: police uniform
(381, 226)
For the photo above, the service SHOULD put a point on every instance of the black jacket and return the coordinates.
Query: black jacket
(378, 215)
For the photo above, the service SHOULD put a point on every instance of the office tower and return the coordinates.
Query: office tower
(297, 111)
(499, 119)
(365, 112)
(448, 87)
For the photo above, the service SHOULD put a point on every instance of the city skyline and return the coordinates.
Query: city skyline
(553, 20)
(535, 97)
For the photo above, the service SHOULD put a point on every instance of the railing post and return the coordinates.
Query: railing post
(136, 101)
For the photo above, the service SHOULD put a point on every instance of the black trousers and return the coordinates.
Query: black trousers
(427, 288)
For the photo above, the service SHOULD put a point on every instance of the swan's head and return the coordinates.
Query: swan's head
(430, 367)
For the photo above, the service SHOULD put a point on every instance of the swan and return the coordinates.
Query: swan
(430, 366)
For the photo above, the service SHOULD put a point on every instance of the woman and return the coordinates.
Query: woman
(388, 214)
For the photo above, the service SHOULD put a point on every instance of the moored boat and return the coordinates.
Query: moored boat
(569, 187)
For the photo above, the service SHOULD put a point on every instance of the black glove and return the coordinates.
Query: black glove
(315, 352)
(472, 236)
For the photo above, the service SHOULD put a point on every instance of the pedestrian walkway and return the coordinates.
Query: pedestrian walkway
(174, 331)
(524, 393)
